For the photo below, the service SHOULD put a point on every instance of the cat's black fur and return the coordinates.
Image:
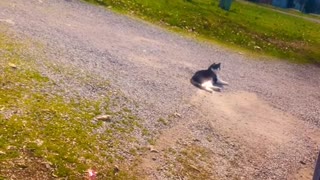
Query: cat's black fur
(205, 75)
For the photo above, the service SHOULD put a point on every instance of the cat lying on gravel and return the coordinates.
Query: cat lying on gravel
(205, 79)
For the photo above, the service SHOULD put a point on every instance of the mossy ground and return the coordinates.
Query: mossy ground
(47, 134)
(190, 161)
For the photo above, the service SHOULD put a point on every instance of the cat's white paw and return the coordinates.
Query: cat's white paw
(217, 89)
(210, 90)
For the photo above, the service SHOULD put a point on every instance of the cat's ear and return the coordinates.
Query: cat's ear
(219, 66)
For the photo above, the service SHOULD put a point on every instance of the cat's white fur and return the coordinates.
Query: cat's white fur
(219, 80)
(208, 86)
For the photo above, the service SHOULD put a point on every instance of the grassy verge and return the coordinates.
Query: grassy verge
(247, 26)
(46, 135)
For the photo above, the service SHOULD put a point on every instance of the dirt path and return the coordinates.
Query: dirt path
(263, 126)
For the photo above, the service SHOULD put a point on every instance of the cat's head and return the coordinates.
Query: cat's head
(215, 67)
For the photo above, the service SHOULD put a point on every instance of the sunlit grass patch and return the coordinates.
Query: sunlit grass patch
(39, 125)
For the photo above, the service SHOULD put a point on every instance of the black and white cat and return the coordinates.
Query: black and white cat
(205, 79)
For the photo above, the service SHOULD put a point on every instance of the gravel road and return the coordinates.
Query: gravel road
(153, 67)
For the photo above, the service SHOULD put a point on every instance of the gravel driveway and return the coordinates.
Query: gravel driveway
(153, 67)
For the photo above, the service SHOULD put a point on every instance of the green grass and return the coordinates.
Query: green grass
(39, 125)
(163, 121)
(246, 26)
(192, 162)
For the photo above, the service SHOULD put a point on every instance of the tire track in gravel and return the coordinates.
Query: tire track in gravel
(266, 121)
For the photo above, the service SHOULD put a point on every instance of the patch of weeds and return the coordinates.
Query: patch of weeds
(191, 162)
(126, 110)
(55, 129)
(133, 151)
(172, 151)
(145, 132)
(163, 121)
(152, 141)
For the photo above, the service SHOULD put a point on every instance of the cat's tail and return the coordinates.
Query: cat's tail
(196, 84)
